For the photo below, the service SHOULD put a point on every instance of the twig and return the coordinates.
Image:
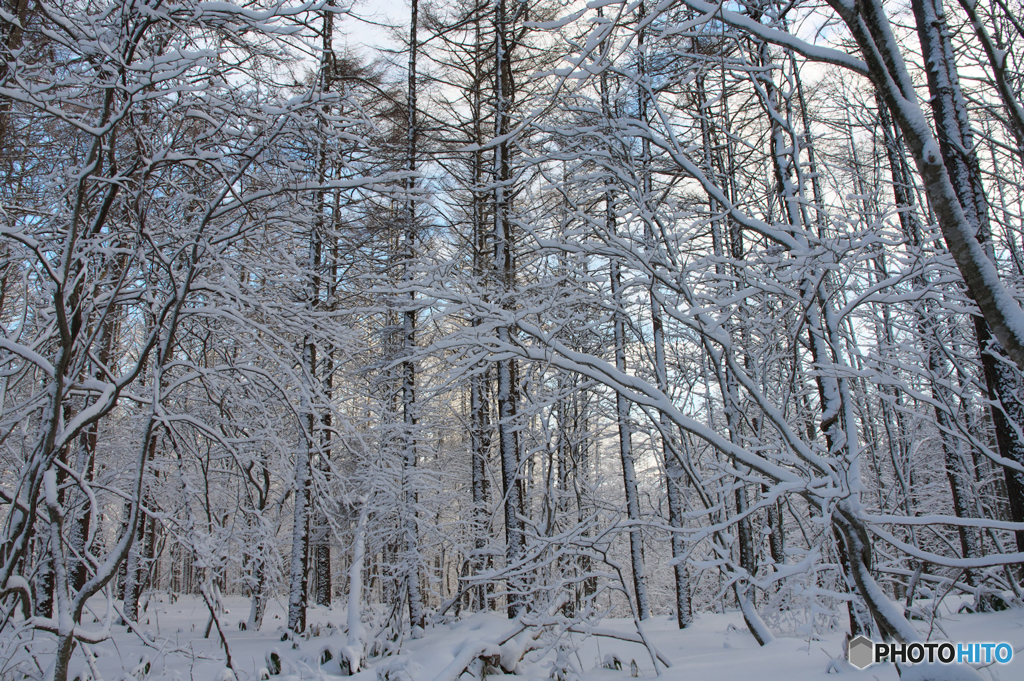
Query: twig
(216, 620)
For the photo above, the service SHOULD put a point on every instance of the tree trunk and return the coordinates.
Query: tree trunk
(412, 561)
(504, 265)
(636, 542)
(480, 379)
(137, 557)
(299, 563)
(320, 530)
(674, 490)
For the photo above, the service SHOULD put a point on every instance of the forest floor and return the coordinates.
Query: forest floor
(717, 647)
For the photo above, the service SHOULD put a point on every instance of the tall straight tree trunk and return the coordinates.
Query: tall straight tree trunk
(306, 452)
(137, 557)
(49, 544)
(557, 469)
(731, 397)
(320, 530)
(480, 444)
(259, 597)
(258, 603)
(412, 577)
(46, 546)
(629, 482)
(636, 535)
(322, 538)
(674, 476)
(480, 433)
(636, 543)
(299, 562)
(504, 266)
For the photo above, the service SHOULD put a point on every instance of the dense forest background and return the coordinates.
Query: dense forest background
(563, 310)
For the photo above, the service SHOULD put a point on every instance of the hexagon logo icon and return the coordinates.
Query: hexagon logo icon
(860, 652)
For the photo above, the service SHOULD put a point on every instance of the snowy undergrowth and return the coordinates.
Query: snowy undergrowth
(717, 648)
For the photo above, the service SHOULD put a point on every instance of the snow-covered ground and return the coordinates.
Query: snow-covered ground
(717, 648)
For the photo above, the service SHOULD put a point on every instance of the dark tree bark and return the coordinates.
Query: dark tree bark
(417, 617)
(505, 275)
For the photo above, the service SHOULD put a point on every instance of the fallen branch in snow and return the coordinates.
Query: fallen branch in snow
(469, 653)
(90, 659)
(622, 636)
(133, 626)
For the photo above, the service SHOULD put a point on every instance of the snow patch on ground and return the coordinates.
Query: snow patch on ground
(717, 647)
